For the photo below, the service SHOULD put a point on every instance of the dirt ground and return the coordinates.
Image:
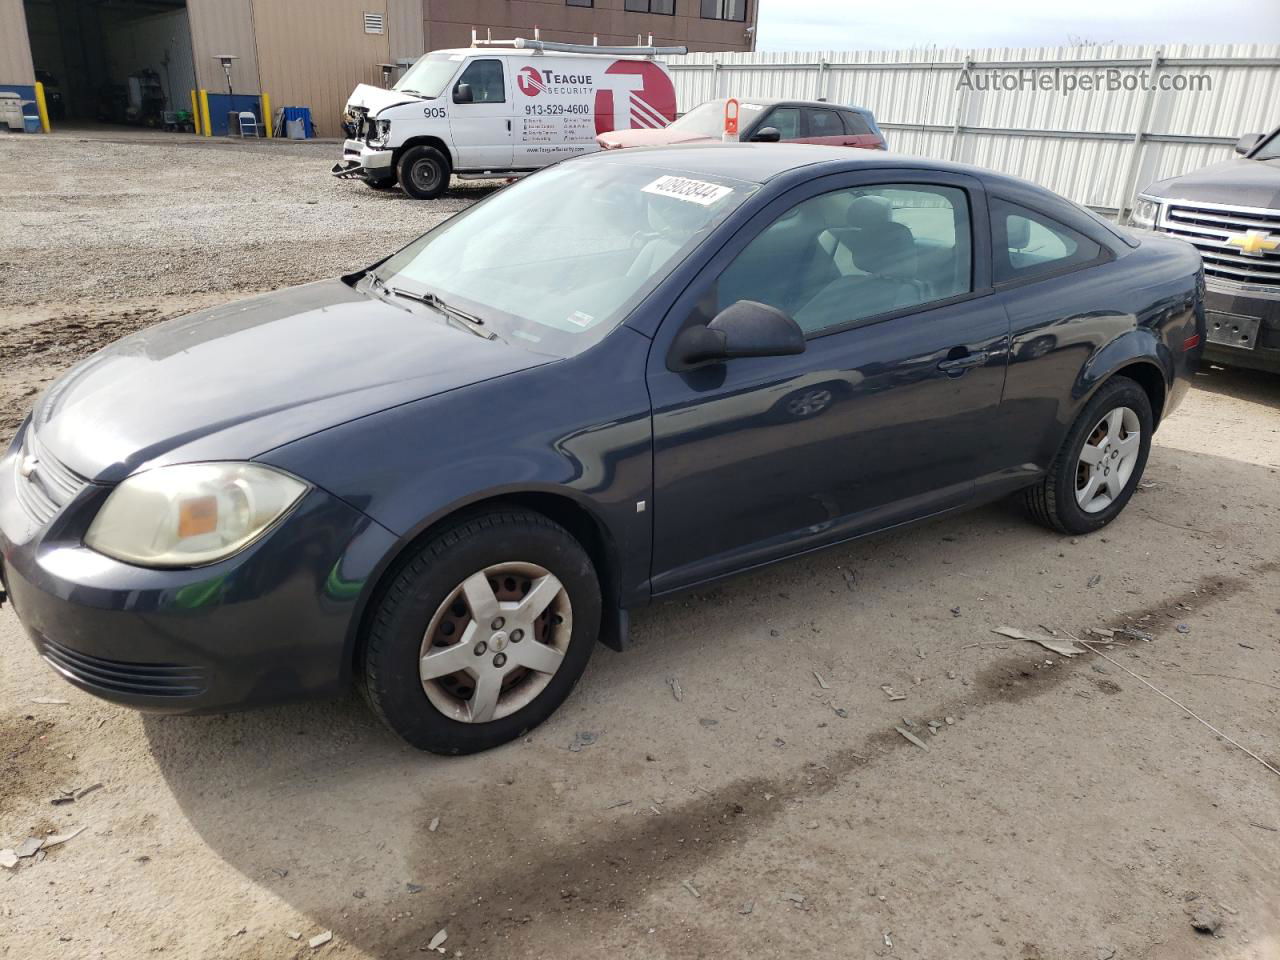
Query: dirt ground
(1061, 808)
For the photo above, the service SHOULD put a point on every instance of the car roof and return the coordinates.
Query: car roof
(761, 162)
(774, 101)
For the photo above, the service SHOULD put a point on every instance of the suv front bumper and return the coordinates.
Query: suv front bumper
(363, 162)
(1243, 327)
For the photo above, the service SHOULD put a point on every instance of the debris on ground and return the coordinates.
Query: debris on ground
(822, 683)
(1183, 628)
(747, 907)
(293, 934)
(955, 611)
(71, 796)
(320, 939)
(1206, 921)
(676, 692)
(891, 693)
(795, 898)
(691, 888)
(61, 838)
(708, 721)
(1063, 648)
(1094, 580)
(912, 738)
(948, 720)
(849, 577)
(8, 859)
(888, 939)
(438, 939)
(583, 738)
(414, 887)
(50, 701)
(619, 803)
(29, 847)
(841, 712)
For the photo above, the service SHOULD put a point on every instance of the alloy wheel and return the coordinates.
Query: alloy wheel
(1107, 459)
(495, 642)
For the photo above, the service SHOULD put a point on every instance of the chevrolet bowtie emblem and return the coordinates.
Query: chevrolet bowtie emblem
(1254, 242)
(27, 467)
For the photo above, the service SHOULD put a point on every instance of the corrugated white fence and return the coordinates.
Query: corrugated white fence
(1026, 111)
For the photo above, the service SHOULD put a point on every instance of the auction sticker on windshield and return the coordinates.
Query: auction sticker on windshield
(685, 188)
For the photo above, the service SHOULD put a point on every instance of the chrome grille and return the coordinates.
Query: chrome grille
(1210, 226)
(48, 485)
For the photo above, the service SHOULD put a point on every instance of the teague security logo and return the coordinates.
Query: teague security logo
(634, 93)
(530, 82)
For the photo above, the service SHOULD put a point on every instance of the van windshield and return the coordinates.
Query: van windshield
(556, 261)
(430, 75)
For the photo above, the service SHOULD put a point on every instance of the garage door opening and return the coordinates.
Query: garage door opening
(114, 61)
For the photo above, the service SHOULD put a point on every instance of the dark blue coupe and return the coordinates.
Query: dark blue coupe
(446, 477)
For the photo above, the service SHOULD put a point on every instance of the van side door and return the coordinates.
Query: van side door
(480, 112)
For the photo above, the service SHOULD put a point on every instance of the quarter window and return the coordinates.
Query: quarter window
(485, 80)
(852, 254)
(1030, 244)
(854, 124)
(724, 10)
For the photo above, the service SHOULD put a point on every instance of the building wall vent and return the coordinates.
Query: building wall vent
(373, 22)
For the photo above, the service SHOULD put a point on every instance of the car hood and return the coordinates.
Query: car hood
(1245, 183)
(374, 99)
(231, 382)
(651, 138)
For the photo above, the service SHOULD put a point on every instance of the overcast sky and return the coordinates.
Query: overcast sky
(905, 24)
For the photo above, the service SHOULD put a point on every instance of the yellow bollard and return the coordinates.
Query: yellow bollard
(195, 112)
(42, 107)
(266, 115)
(204, 113)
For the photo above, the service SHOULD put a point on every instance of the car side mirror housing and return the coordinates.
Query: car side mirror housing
(462, 93)
(742, 329)
(766, 135)
(1247, 143)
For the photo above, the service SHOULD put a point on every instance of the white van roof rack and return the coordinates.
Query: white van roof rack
(538, 46)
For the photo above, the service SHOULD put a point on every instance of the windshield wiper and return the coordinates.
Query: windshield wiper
(465, 320)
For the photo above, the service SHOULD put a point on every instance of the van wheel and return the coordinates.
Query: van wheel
(424, 172)
(483, 633)
(1100, 462)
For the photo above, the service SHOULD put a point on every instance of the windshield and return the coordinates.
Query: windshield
(708, 118)
(556, 261)
(1270, 150)
(430, 75)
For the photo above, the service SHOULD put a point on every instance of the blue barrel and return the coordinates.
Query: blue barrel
(299, 113)
(31, 124)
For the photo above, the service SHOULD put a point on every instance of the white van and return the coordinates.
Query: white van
(501, 108)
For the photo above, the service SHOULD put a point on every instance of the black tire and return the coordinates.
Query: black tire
(384, 183)
(424, 172)
(1052, 501)
(393, 645)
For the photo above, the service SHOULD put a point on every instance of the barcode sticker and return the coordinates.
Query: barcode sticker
(692, 191)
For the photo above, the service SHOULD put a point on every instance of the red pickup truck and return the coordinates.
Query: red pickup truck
(763, 120)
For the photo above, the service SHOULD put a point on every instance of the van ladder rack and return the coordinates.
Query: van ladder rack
(540, 46)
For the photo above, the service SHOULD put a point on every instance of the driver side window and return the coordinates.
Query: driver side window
(844, 256)
(486, 81)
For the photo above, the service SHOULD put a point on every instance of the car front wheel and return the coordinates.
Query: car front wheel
(1100, 463)
(483, 633)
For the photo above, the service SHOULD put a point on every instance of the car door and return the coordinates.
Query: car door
(480, 116)
(886, 415)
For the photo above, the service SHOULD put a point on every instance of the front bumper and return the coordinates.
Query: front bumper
(276, 622)
(361, 161)
(1250, 317)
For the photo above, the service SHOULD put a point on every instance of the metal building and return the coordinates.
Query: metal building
(139, 61)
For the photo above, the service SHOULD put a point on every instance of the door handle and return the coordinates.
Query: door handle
(958, 365)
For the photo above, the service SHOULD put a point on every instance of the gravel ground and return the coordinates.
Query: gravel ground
(1062, 809)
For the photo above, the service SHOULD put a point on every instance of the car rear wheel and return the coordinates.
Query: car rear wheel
(483, 633)
(424, 172)
(1100, 463)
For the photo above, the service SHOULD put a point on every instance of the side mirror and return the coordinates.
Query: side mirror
(462, 93)
(742, 329)
(766, 135)
(1247, 143)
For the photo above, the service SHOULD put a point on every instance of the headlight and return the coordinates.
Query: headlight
(192, 513)
(1146, 210)
(382, 130)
